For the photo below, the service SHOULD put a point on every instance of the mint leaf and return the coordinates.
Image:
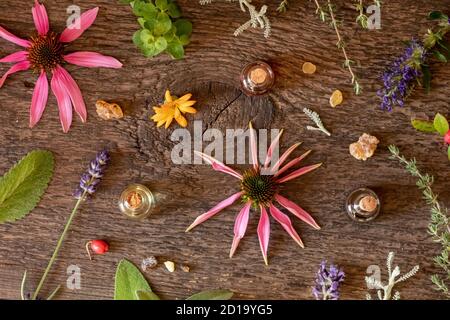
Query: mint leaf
(23, 185)
(146, 295)
(423, 125)
(212, 295)
(184, 27)
(441, 124)
(175, 49)
(129, 280)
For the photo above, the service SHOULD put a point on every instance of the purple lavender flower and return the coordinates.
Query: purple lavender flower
(90, 179)
(328, 282)
(401, 78)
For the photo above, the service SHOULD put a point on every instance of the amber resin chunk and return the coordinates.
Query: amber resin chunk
(108, 111)
(365, 147)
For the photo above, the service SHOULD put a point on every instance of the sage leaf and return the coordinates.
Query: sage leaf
(129, 280)
(23, 185)
(423, 125)
(441, 124)
(146, 295)
(212, 295)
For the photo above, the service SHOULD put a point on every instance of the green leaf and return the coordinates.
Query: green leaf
(441, 124)
(426, 78)
(173, 10)
(146, 37)
(129, 280)
(162, 4)
(423, 125)
(163, 24)
(437, 15)
(212, 295)
(161, 44)
(146, 295)
(184, 27)
(448, 152)
(175, 49)
(23, 185)
(185, 39)
(440, 56)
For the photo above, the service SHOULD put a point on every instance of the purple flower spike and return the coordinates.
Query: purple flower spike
(405, 72)
(328, 282)
(90, 180)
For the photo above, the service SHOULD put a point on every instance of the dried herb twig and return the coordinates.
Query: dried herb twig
(257, 18)
(314, 116)
(439, 226)
(283, 6)
(384, 291)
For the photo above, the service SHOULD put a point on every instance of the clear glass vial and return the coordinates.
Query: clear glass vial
(363, 205)
(257, 78)
(136, 201)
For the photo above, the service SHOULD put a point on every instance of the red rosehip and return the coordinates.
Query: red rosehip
(447, 137)
(97, 246)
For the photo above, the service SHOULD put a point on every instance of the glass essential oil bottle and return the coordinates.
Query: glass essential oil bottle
(136, 201)
(257, 78)
(363, 205)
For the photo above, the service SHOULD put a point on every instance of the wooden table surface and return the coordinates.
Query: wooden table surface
(141, 153)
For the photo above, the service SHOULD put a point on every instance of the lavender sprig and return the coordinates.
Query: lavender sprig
(90, 179)
(404, 74)
(328, 282)
(88, 185)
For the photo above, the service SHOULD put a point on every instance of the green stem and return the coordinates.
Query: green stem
(58, 245)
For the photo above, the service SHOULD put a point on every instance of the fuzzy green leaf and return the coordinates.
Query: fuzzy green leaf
(129, 280)
(161, 4)
(175, 49)
(438, 55)
(173, 10)
(441, 124)
(163, 24)
(212, 295)
(23, 185)
(423, 125)
(184, 27)
(146, 295)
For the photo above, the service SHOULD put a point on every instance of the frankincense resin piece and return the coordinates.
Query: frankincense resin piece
(365, 147)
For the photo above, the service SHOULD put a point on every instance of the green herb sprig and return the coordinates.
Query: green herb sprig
(283, 6)
(162, 29)
(439, 226)
(327, 14)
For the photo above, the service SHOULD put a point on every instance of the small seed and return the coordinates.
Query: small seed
(336, 98)
(170, 266)
(309, 68)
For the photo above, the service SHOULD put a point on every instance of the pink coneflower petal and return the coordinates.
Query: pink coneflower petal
(297, 211)
(285, 155)
(292, 163)
(74, 92)
(264, 233)
(92, 60)
(86, 20)
(219, 207)
(240, 227)
(40, 18)
(15, 57)
(253, 146)
(271, 149)
(286, 224)
(14, 39)
(39, 100)
(21, 66)
(217, 165)
(299, 172)
(64, 103)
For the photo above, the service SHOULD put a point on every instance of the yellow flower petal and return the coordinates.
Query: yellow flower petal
(168, 96)
(169, 121)
(182, 121)
(160, 123)
(188, 109)
(187, 103)
(184, 98)
(177, 113)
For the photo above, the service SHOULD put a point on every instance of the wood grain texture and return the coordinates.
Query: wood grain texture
(141, 153)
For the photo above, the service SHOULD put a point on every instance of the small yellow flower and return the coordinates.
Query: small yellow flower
(173, 108)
